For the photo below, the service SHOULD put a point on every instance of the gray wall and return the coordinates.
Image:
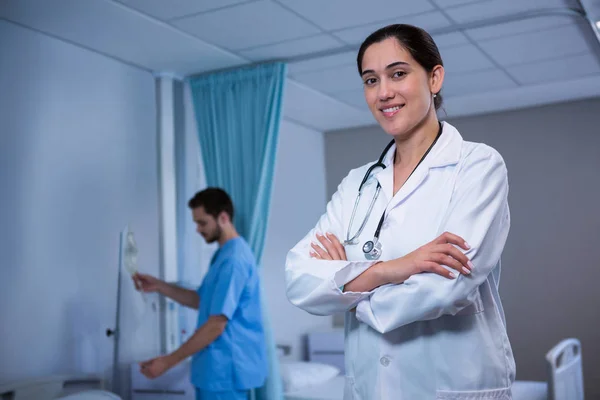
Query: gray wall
(78, 161)
(551, 263)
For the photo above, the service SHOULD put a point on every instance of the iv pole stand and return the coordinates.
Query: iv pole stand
(116, 332)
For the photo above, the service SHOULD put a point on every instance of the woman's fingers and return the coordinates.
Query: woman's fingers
(338, 245)
(430, 266)
(449, 261)
(329, 247)
(455, 253)
(448, 237)
(450, 250)
(322, 254)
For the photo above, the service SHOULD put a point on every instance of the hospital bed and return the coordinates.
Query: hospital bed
(321, 377)
(333, 389)
(564, 363)
(173, 385)
(57, 387)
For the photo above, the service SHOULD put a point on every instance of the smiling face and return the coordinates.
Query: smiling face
(398, 90)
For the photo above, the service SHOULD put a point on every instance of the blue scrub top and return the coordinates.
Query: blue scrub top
(231, 287)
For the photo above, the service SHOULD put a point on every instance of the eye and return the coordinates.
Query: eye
(398, 74)
(370, 81)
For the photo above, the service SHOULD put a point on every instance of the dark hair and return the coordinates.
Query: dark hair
(415, 40)
(214, 200)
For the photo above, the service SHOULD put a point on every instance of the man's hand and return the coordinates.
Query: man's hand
(330, 248)
(146, 283)
(157, 366)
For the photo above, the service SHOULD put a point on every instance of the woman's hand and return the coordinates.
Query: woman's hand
(427, 258)
(430, 258)
(330, 248)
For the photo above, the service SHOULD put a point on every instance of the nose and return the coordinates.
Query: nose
(384, 91)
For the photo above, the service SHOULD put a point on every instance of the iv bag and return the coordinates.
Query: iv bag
(130, 254)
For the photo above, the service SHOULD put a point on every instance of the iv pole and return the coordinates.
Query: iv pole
(115, 333)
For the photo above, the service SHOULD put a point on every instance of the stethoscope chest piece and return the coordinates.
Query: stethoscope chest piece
(372, 250)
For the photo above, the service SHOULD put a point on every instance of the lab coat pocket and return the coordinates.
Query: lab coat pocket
(490, 394)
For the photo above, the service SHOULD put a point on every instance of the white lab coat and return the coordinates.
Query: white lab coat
(430, 337)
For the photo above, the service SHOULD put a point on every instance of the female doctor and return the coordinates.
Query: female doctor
(409, 247)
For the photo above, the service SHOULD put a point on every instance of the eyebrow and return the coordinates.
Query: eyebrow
(392, 65)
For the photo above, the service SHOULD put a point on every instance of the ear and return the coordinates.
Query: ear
(436, 79)
(223, 217)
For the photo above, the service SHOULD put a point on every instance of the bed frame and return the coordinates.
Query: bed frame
(327, 348)
(49, 388)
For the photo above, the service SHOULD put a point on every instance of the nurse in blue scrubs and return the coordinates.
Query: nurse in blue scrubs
(228, 348)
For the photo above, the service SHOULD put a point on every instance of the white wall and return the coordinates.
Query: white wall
(78, 161)
(298, 201)
(194, 253)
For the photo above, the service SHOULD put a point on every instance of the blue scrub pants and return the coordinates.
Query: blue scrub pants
(226, 395)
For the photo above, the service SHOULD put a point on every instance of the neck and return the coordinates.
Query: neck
(227, 234)
(410, 147)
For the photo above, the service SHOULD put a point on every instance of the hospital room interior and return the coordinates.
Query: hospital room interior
(103, 104)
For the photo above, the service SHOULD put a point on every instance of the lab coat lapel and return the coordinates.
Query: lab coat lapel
(415, 180)
(445, 152)
(386, 176)
(386, 180)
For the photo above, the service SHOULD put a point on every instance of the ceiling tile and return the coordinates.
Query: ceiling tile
(450, 40)
(335, 60)
(523, 97)
(320, 111)
(428, 21)
(476, 82)
(454, 3)
(337, 14)
(536, 46)
(291, 48)
(556, 70)
(177, 8)
(152, 44)
(355, 98)
(519, 27)
(332, 80)
(133, 37)
(495, 8)
(464, 58)
(234, 29)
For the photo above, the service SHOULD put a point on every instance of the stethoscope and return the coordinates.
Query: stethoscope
(372, 248)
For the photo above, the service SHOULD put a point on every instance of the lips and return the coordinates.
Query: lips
(390, 111)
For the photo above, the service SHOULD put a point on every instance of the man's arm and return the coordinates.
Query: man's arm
(185, 297)
(205, 335)
(149, 284)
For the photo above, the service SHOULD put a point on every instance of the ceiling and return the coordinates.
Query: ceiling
(498, 54)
